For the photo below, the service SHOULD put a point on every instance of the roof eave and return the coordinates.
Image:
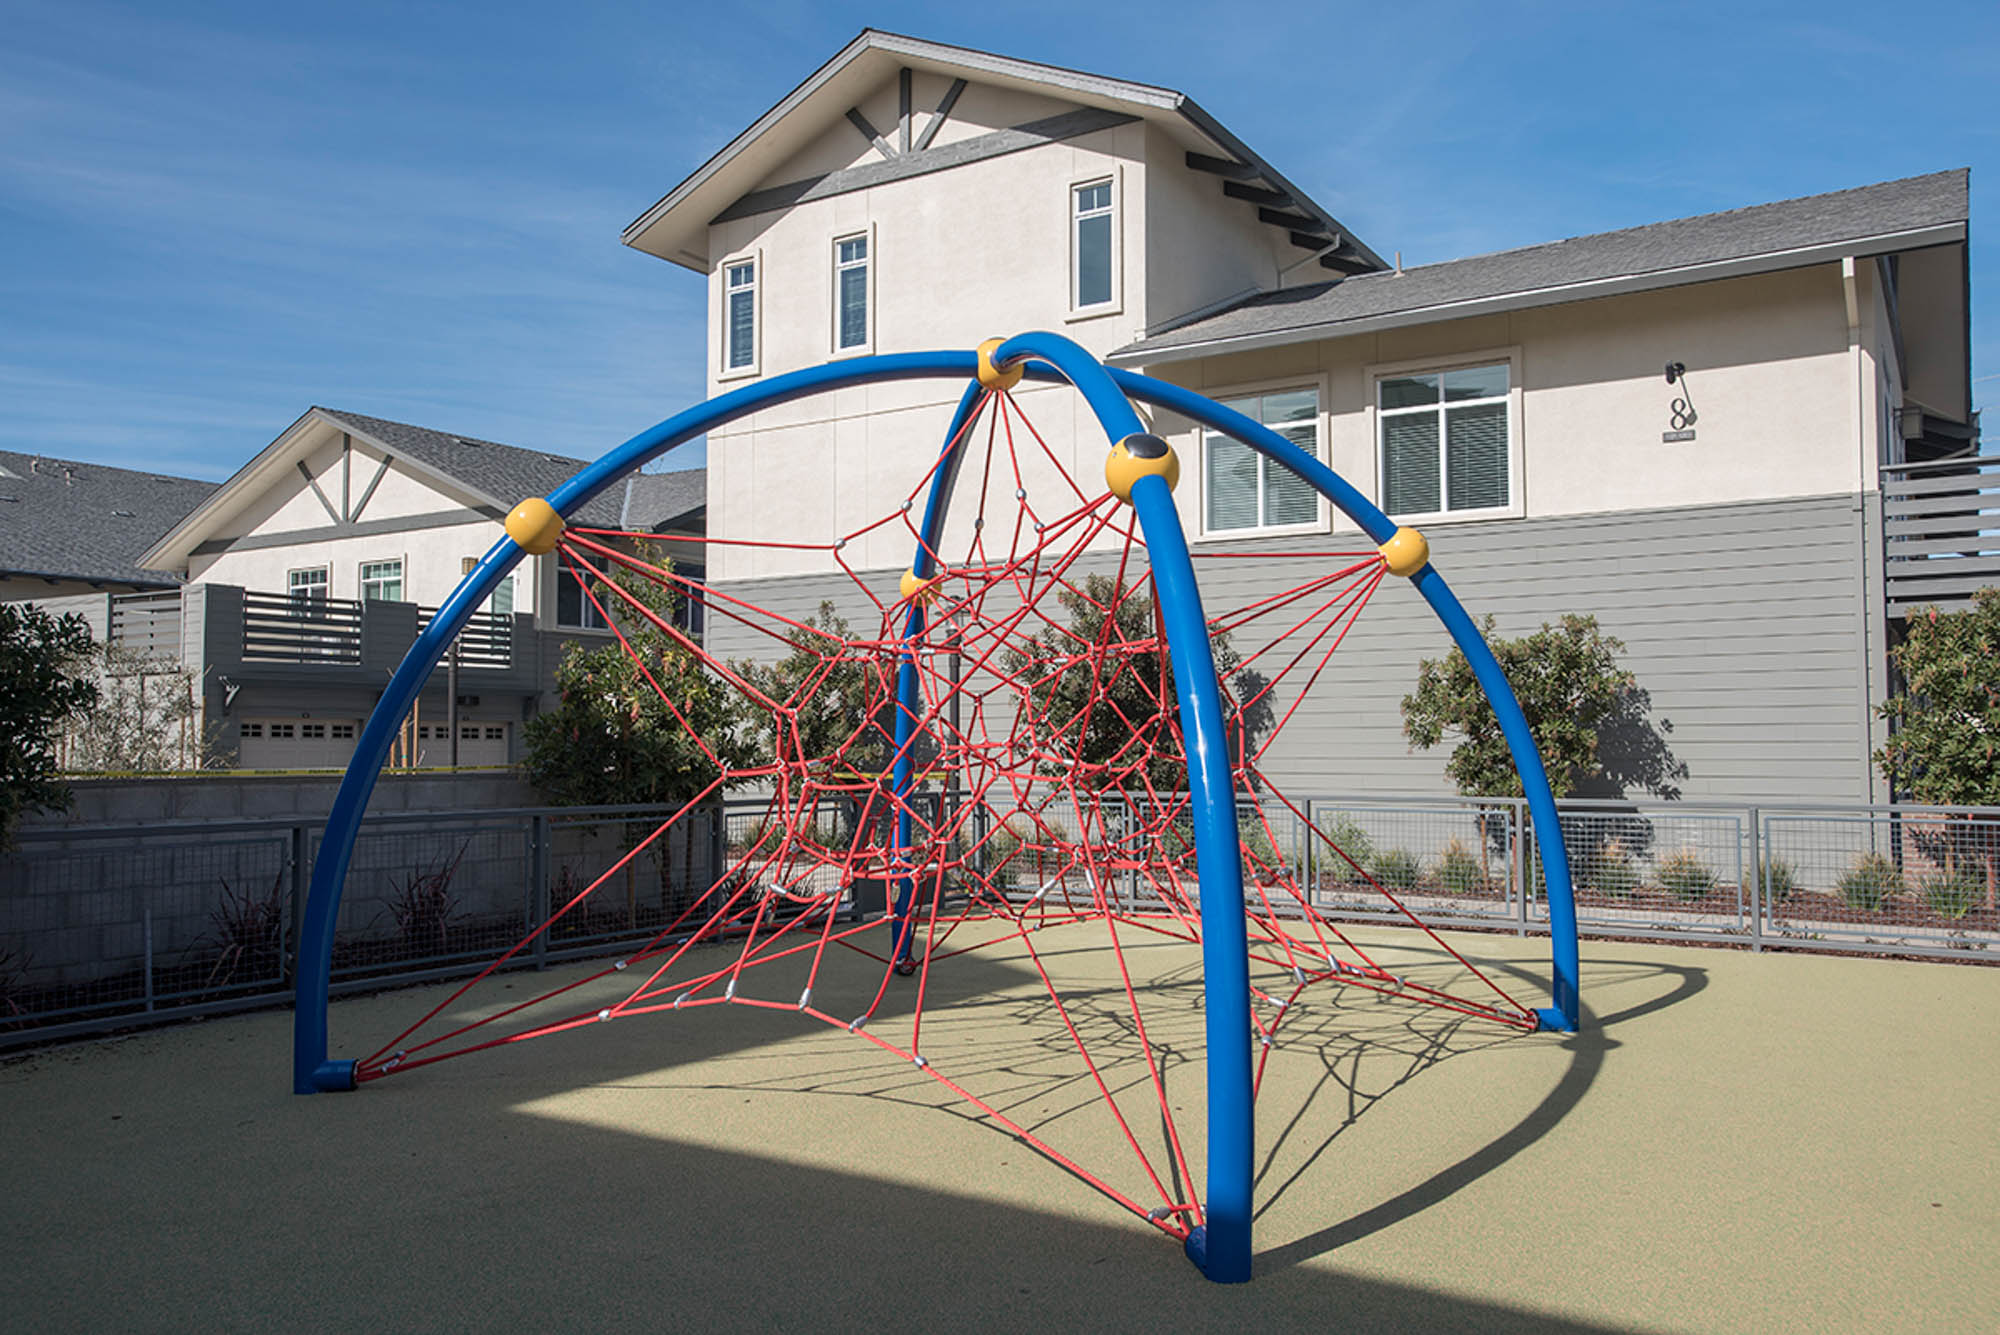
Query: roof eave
(1139, 354)
(1098, 88)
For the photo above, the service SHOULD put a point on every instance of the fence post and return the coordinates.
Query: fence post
(149, 959)
(1756, 881)
(538, 885)
(1517, 813)
(295, 858)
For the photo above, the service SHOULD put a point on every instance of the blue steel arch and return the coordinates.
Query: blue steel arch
(1222, 1248)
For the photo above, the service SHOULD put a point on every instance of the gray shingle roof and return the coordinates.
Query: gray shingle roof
(1692, 248)
(66, 520)
(510, 474)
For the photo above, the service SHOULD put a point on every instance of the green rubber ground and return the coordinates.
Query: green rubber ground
(1735, 1143)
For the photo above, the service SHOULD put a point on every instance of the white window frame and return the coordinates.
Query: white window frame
(586, 610)
(361, 580)
(866, 346)
(1322, 511)
(1516, 470)
(758, 279)
(294, 589)
(1115, 178)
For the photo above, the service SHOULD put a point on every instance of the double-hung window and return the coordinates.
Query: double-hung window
(382, 581)
(1445, 440)
(573, 609)
(1092, 240)
(1241, 489)
(739, 315)
(850, 293)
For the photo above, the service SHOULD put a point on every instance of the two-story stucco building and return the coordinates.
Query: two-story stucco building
(1681, 428)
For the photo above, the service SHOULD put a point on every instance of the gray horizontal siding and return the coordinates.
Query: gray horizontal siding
(1743, 622)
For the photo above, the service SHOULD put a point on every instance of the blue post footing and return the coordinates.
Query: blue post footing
(1553, 1021)
(329, 1077)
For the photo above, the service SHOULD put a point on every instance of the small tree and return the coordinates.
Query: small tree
(833, 692)
(1945, 747)
(1569, 684)
(147, 718)
(42, 662)
(613, 740)
(1100, 717)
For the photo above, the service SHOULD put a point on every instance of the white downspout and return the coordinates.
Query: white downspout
(1851, 291)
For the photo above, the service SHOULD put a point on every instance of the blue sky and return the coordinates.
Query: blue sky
(214, 215)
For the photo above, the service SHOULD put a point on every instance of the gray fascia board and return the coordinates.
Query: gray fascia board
(1192, 112)
(935, 54)
(195, 519)
(1616, 285)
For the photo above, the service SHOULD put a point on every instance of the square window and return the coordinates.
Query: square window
(1241, 489)
(496, 734)
(307, 584)
(1445, 440)
(382, 581)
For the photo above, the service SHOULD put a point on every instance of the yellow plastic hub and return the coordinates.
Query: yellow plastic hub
(994, 377)
(1140, 455)
(535, 526)
(1406, 552)
(917, 591)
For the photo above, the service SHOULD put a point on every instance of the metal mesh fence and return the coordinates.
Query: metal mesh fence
(103, 926)
(1674, 871)
(1910, 879)
(1448, 861)
(97, 923)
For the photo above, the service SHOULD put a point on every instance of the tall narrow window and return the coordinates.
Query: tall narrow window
(572, 607)
(1444, 439)
(1091, 243)
(1244, 490)
(382, 581)
(740, 302)
(850, 293)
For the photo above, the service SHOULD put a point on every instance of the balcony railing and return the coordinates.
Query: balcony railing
(486, 642)
(147, 625)
(1940, 532)
(282, 629)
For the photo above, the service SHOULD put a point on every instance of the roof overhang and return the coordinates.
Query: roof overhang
(273, 464)
(1143, 354)
(676, 228)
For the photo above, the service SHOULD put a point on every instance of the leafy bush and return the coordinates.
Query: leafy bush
(1397, 869)
(1951, 894)
(1458, 870)
(1684, 875)
(1870, 881)
(1609, 870)
(1346, 834)
(1781, 880)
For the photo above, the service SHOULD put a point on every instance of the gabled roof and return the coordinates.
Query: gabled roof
(1871, 220)
(676, 228)
(76, 521)
(491, 476)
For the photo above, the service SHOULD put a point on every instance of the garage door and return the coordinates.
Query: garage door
(478, 744)
(295, 743)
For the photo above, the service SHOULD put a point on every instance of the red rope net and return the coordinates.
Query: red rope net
(1046, 792)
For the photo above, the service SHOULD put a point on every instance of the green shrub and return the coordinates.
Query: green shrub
(1870, 881)
(1397, 869)
(1345, 833)
(1951, 894)
(1781, 879)
(1684, 875)
(1458, 870)
(1610, 871)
